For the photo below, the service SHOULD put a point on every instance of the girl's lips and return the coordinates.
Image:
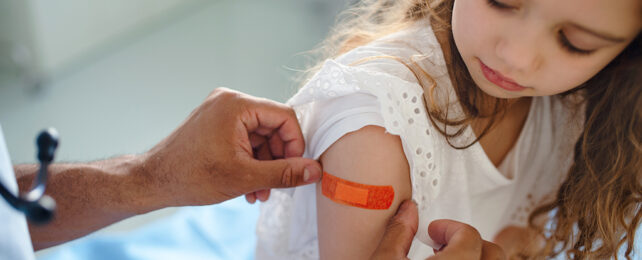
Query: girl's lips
(499, 80)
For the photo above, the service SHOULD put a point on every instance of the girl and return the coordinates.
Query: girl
(515, 116)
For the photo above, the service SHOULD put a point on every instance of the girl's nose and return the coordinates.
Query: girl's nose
(520, 51)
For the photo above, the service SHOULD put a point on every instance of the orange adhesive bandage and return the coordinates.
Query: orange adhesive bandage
(356, 194)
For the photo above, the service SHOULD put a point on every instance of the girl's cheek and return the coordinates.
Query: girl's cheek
(559, 76)
(579, 71)
(476, 27)
(465, 30)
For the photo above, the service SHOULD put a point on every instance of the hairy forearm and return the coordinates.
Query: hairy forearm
(90, 196)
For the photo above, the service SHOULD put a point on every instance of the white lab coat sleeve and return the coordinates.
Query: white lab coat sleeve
(15, 242)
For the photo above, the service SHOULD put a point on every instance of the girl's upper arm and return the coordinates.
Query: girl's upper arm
(368, 156)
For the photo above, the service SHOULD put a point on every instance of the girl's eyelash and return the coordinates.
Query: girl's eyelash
(569, 47)
(498, 5)
(566, 44)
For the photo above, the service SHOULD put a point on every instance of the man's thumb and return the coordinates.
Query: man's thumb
(285, 173)
(400, 231)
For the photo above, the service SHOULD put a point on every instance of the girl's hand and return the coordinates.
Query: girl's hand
(519, 242)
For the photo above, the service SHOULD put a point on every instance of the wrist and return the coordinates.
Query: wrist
(143, 193)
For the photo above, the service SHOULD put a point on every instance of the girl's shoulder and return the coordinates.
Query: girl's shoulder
(345, 96)
(371, 85)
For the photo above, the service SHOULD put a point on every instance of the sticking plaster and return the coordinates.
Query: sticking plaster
(356, 194)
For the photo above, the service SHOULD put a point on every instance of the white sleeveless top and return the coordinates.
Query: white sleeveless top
(463, 185)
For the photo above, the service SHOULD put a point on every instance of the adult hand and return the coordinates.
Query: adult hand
(214, 155)
(232, 144)
(461, 241)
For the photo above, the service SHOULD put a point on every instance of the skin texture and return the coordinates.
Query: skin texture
(523, 42)
(501, 139)
(216, 154)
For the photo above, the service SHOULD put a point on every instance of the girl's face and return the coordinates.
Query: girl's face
(519, 48)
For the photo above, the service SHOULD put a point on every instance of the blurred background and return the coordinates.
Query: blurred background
(115, 77)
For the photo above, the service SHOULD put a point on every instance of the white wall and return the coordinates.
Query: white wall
(59, 33)
(65, 30)
(129, 98)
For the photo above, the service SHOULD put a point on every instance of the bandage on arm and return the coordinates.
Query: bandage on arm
(357, 194)
(349, 226)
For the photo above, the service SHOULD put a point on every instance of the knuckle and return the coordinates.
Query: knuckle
(223, 94)
(224, 99)
(218, 91)
(290, 111)
(287, 178)
(470, 231)
(493, 251)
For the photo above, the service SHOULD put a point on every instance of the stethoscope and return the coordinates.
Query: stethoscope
(38, 207)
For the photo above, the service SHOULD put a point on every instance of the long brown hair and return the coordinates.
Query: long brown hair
(597, 208)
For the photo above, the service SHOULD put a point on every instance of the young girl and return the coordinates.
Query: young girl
(504, 114)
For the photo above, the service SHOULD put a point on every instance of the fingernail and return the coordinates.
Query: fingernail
(306, 175)
(311, 174)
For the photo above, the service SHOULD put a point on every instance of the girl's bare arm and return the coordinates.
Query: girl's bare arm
(368, 156)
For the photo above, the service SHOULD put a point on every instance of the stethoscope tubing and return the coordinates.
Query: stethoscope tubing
(38, 207)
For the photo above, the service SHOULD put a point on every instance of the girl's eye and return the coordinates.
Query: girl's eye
(499, 5)
(566, 44)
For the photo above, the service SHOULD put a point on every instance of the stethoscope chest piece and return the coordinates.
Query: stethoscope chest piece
(38, 207)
